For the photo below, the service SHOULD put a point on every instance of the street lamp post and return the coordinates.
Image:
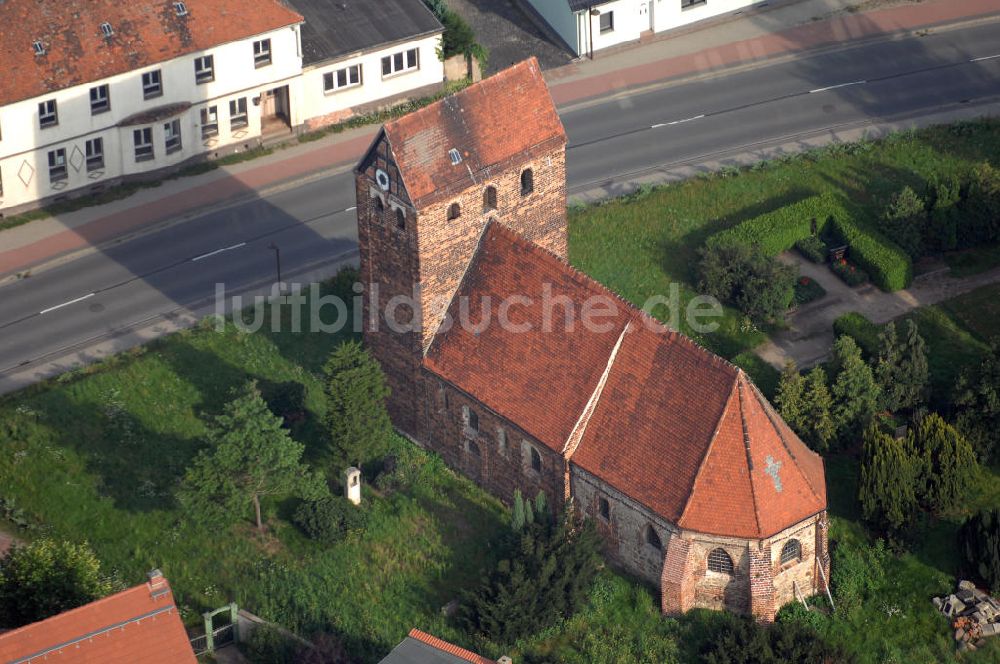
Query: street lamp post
(277, 260)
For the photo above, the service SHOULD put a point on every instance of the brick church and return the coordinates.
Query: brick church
(692, 478)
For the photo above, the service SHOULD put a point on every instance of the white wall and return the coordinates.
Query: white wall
(24, 146)
(313, 102)
(668, 14)
(629, 22)
(561, 19)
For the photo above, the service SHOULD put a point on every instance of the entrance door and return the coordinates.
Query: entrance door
(268, 104)
(646, 15)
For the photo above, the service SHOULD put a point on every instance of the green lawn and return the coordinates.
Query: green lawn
(640, 244)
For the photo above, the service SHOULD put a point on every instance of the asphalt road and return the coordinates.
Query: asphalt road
(111, 291)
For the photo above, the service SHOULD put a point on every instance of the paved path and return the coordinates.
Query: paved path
(809, 336)
(759, 37)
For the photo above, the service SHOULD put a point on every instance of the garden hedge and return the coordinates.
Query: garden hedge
(889, 266)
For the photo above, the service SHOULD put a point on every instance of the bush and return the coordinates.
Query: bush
(813, 248)
(889, 266)
(980, 222)
(857, 574)
(849, 274)
(786, 642)
(807, 290)
(864, 332)
(268, 645)
(942, 227)
(756, 284)
(327, 520)
(780, 230)
(905, 221)
(979, 546)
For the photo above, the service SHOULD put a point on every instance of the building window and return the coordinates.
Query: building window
(238, 113)
(209, 121)
(527, 182)
(100, 99)
(95, 154)
(604, 508)
(151, 85)
(172, 132)
(57, 165)
(535, 459)
(454, 211)
(347, 77)
(180, 9)
(490, 199)
(400, 219)
(262, 53)
(792, 551)
(107, 30)
(607, 22)
(143, 139)
(720, 562)
(472, 447)
(653, 538)
(692, 3)
(474, 421)
(204, 69)
(502, 441)
(47, 114)
(400, 62)
(379, 205)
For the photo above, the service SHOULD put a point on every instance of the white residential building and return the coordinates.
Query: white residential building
(591, 25)
(94, 91)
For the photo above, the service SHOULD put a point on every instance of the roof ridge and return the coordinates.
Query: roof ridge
(595, 397)
(740, 380)
(773, 418)
(708, 450)
(450, 648)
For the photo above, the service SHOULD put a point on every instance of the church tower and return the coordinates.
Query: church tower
(425, 191)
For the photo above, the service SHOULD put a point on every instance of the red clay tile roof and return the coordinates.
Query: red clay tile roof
(676, 428)
(453, 650)
(145, 32)
(489, 123)
(124, 628)
(539, 380)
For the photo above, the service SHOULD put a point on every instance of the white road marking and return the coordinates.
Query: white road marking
(657, 126)
(675, 122)
(218, 251)
(834, 87)
(985, 57)
(66, 304)
(353, 207)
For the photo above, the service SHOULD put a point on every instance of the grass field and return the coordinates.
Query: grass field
(641, 244)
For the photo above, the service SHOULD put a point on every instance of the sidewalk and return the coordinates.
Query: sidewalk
(721, 44)
(809, 336)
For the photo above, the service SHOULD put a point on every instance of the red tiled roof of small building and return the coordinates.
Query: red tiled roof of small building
(676, 428)
(488, 123)
(145, 32)
(449, 648)
(140, 624)
(539, 380)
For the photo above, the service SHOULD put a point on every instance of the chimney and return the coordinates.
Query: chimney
(157, 584)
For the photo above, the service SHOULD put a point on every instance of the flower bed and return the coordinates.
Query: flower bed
(807, 290)
(848, 273)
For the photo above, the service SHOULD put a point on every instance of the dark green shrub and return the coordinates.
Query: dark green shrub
(857, 574)
(268, 645)
(327, 519)
(977, 397)
(807, 290)
(786, 642)
(979, 545)
(287, 400)
(980, 218)
(864, 332)
(850, 274)
(945, 213)
(905, 221)
(813, 248)
(756, 284)
(888, 266)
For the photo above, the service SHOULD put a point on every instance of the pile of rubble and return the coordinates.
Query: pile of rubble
(974, 615)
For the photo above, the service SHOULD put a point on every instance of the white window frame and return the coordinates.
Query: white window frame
(152, 84)
(352, 76)
(143, 148)
(400, 62)
(262, 53)
(100, 99)
(204, 69)
(172, 136)
(94, 150)
(611, 22)
(238, 118)
(57, 165)
(48, 114)
(209, 121)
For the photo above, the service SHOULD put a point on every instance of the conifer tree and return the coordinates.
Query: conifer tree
(356, 416)
(790, 397)
(517, 518)
(914, 372)
(978, 398)
(946, 463)
(817, 419)
(855, 392)
(886, 487)
(901, 371)
(541, 507)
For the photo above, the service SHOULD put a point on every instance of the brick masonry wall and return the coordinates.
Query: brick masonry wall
(480, 455)
(446, 246)
(714, 590)
(801, 571)
(624, 532)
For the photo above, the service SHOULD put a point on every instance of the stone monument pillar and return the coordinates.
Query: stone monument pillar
(352, 485)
